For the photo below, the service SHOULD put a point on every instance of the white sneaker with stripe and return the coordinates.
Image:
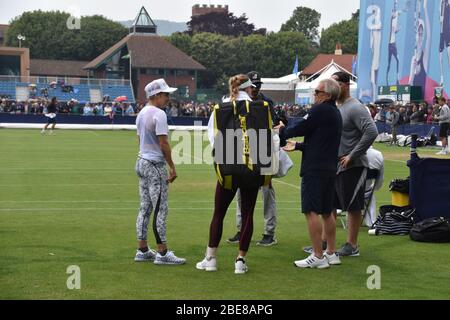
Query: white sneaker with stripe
(207, 264)
(312, 262)
(333, 259)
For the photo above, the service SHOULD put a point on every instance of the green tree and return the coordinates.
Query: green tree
(304, 20)
(222, 23)
(344, 32)
(223, 56)
(182, 41)
(281, 50)
(48, 36)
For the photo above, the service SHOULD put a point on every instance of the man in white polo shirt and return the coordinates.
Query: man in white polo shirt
(154, 153)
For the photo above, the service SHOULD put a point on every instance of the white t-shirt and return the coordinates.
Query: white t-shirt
(151, 122)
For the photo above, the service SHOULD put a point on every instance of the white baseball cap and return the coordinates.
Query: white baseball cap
(157, 86)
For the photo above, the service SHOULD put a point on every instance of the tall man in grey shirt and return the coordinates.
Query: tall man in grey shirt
(358, 134)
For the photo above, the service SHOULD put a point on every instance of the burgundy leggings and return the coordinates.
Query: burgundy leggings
(223, 200)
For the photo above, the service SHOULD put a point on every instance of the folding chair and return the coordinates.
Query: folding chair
(369, 190)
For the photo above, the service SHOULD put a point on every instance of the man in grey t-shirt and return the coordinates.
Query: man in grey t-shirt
(358, 134)
(154, 154)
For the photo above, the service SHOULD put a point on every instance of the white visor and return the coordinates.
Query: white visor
(246, 85)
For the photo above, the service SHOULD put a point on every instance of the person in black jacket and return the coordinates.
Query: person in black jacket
(322, 128)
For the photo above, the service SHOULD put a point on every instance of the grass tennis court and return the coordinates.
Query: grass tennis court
(72, 199)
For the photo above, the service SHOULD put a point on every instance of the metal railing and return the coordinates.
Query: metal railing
(47, 80)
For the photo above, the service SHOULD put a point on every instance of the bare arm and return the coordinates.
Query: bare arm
(167, 152)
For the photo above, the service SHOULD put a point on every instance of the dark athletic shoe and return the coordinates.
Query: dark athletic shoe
(235, 239)
(267, 241)
(348, 250)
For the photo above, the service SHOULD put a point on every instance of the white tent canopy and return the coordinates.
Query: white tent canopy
(285, 83)
(304, 90)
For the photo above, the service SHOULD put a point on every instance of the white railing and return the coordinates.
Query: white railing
(67, 80)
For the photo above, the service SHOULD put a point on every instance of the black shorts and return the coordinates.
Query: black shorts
(317, 194)
(445, 41)
(51, 120)
(443, 130)
(347, 198)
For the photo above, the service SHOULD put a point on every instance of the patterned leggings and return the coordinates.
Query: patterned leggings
(153, 188)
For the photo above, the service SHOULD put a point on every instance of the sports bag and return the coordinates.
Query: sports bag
(431, 230)
(394, 220)
(243, 144)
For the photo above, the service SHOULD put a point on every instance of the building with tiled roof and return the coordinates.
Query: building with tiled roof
(143, 56)
(42, 67)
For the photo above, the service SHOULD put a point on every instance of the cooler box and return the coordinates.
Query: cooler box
(399, 199)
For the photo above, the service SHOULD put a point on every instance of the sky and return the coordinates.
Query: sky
(262, 13)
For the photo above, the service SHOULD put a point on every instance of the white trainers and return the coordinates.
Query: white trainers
(240, 267)
(169, 258)
(312, 262)
(140, 256)
(333, 259)
(442, 152)
(207, 264)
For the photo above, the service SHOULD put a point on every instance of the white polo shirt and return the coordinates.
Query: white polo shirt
(151, 122)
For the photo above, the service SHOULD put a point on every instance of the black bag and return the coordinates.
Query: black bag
(394, 220)
(400, 185)
(244, 167)
(431, 230)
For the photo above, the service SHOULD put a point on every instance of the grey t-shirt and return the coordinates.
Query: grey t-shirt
(358, 133)
(151, 122)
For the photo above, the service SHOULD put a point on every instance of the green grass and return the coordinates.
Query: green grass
(72, 199)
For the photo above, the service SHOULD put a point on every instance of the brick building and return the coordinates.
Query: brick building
(143, 56)
(198, 10)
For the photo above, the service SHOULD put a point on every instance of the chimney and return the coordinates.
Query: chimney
(338, 51)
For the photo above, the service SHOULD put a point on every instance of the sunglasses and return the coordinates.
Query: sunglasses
(317, 92)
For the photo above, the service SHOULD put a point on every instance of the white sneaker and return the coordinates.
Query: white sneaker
(240, 267)
(170, 258)
(442, 152)
(207, 264)
(333, 259)
(312, 262)
(42, 131)
(140, 256)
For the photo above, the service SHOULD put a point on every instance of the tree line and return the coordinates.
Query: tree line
(223, 43)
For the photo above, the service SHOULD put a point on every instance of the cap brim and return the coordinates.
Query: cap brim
(170, 90)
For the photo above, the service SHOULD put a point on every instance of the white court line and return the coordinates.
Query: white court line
(392, 160)
(87, 169)
(288, 184)
(113, 209)
(117, 201)
(72, 185)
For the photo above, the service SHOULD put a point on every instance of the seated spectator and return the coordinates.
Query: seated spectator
(129, 111)
(87, 110)
(108, 110)
(98, 109)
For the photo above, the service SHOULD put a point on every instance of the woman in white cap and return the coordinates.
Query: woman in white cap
(154, 154)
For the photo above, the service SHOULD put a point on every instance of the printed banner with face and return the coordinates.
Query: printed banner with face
(404, 42)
